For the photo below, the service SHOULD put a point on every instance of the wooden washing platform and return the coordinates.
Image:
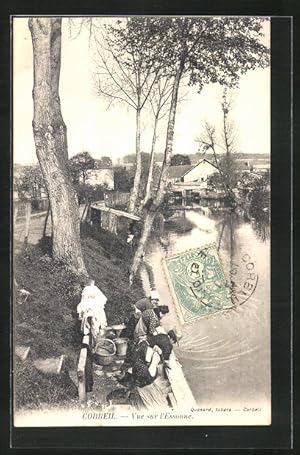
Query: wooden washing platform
(181, 395)
(108, 218)
(174, 383)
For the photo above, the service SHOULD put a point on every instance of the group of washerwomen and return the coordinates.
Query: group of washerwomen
(149, 346)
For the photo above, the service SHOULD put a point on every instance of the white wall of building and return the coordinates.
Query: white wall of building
(200, 172)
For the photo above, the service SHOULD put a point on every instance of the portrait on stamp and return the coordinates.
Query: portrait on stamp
(141, 220)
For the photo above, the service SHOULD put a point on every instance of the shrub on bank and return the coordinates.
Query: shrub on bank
(179, 225)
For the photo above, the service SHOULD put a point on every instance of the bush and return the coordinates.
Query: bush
(180, 225)
(89, 193)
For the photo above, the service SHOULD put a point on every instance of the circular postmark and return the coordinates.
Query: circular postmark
(194, 270)
(243, 279)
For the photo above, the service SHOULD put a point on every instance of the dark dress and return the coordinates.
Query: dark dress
(151, 321)
(163, 342)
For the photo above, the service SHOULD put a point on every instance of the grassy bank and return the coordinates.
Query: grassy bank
(47, 321)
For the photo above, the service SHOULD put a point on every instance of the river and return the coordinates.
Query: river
(225, 356)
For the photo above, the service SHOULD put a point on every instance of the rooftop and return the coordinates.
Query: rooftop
(178, 171)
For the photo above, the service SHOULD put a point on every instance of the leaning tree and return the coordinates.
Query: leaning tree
(50, 136)
(207, 50)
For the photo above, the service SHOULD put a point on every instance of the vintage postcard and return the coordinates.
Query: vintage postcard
(141, 221)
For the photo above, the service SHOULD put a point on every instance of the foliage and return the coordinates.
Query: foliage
(212, 49)
(103, 163)
(216, 49)
(227, 173)
(180, 225)
(79, 165)
(255, 188)
(130, 158)
(29, 182)
(180, 160)
(205, 50)
(89, 193)
(122, 179)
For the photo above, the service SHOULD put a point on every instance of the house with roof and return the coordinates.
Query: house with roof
(192, 175)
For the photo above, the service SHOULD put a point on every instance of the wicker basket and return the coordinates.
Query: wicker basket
(105, 351)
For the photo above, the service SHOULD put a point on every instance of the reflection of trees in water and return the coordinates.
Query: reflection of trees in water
(261, 228)
(226, 225)
(226, 234)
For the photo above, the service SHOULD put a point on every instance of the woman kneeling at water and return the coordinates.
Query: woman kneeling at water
(150, 321)
(149, 391)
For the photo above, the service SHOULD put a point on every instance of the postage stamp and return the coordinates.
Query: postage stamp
(198, 283)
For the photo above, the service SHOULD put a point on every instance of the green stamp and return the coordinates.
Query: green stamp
(198, 283)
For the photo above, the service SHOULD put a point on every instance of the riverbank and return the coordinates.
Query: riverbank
(47, 321)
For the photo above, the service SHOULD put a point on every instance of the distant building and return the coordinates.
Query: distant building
(253, 165)
(196, 174)
(101, 177)
(245, 161)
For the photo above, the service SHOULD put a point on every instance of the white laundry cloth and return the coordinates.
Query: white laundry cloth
(92, 305)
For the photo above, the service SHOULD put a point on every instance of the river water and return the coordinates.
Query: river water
(225, 356)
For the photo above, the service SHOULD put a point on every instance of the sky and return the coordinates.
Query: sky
(111, 132)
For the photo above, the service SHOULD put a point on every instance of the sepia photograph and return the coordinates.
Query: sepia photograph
(141, 221)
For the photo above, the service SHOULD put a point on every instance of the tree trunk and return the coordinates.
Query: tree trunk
(162, 181)
(151, 165)
(27, 221)
(139, 253)
(50, 138)
(46, 220)
(138, 168)
(225, 133)
(227, 190)
(170, 135)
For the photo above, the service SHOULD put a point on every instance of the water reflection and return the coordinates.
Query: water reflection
(225, 357)
(261, 228)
